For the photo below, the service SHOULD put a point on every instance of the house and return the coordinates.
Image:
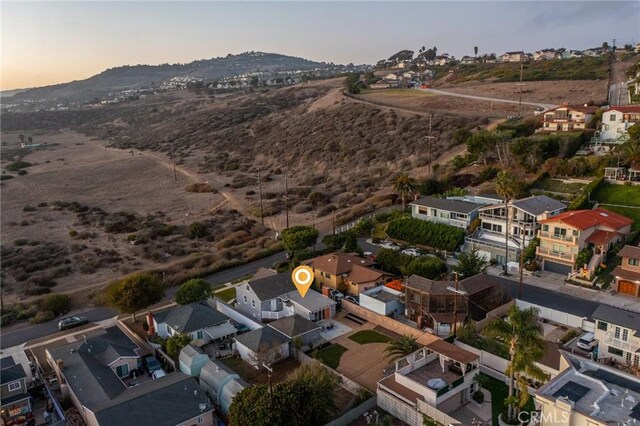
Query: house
(616, 121)
(270, 296)
(628, 273)
(570, 54)
(467, 60)
(512, 56)
(563, 236)
(92, 374)
(384, 301)
(15, 404)
(441, 210)
(379, 85)
(191, 360)
(346, 272)
(433, 304)
(589, 394)
(295, 327)
(443, 60)
(221, 384)
(593, 52)
(618, 334)
(567, 118)
(545, 54)
(263, 345)
(434, 381)
(524, 220)
(200, 320)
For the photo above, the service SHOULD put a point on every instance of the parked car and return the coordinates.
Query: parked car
(352, 299)
(335, 295)
(587, 342)
(368, 254)
(158, 373)
(151, 364)
(389, 245)
(412, 252)
(71, 322)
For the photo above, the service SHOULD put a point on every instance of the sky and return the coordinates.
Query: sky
(50, 42)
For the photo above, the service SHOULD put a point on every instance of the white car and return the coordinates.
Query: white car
(158, 373)
(411, 252)
(587, 342)
(389, 245)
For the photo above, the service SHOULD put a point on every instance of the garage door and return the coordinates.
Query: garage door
(558, 268)
(627, 287)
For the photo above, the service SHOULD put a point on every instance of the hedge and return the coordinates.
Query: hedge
(435, 235)
(582, 200)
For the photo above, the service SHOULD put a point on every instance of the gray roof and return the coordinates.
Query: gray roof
(270, 287)
(312, 301)
(170, 400)
(294, 326)
(189, 353)
(617, 316)
(192, 317)
(538, 204)
(457, 206)
(262, 339)
(7, 362)
(12, 373)
(85, 365)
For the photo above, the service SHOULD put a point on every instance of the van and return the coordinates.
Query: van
(587, 342)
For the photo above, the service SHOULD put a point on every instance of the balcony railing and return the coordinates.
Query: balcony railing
(611, 340)
(273, 315)
(541, 251)
(564, 238)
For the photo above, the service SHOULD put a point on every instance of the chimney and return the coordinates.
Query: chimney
(152, 329)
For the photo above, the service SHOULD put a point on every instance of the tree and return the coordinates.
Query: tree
(507, 186)
(176, 342)
(334, 242)
(475, 51)
(605, 46)
(324, 385)
(351, 243)
(197, 230)
(352, 83)
(57, 304)
(30, 140)
(405, 345)
(192, 291)
(135, 292)
(471, 263)
(427, 267)
(404, 185)
(522, 333)
(298, 238)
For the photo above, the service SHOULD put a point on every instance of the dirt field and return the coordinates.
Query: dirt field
(61, 224)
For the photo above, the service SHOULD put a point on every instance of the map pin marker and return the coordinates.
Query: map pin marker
(302, 277)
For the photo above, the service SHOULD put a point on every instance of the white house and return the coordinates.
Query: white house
(512, 56)
(545, 54)
(441, 210)
(616, 121)
(384, 301)
(618, 335)
(199, 320)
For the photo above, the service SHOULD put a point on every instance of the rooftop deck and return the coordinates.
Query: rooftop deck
(433, 370)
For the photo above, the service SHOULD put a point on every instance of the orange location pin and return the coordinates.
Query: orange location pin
(302, 277)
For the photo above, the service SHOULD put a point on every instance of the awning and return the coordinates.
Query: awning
(222, 330)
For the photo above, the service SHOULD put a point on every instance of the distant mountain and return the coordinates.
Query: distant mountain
(148, 76)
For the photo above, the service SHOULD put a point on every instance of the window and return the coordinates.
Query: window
(559, 232)
(248, 288)
(625, 334)
(14, 386)
(122, 370)
(558, 248)
(615, 351)
(245, 298)
(628, 358)
(199, 334)
(434, 212)
(634, 262)
(253, 303)
(612, 117)
(575, 233)
(602, 325)
(200, 419)
(327, 275)
(617, 333)
(545, 228)
(636, 360)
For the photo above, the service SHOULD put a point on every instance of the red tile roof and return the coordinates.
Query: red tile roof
(601, 237)
(626, 109)
(589, 109)
(338, 263)
(585, 219)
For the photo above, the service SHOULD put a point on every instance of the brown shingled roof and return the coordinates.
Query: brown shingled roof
(338, 263)
(452, 351)
(625, 274)
(361, 274)
(408, 394)
(630, 251)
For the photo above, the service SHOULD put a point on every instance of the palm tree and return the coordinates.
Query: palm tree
(404, 346)
(631, 153)
(404, 185)
(522, 333)
(475, 50)
(470, 263)
(507, 186)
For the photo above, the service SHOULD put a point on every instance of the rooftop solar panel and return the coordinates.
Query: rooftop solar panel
(635, 413)
(571, 390)
(616, 379)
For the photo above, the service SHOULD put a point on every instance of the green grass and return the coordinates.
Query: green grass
(227, 294)
(330, 355)
(611, 193)
(369, 336)
(556, 185)
(630, 212)
(499, 393)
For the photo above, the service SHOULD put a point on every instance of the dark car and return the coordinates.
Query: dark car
(71, 322)
(151, 364)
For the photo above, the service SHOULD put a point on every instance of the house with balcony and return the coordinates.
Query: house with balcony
(524, 221)
(562, 237)
(616, 121)
(589, 394)
(15, 404)
(618, 334)
(269, 296)
(567, 118)
(435, 381)
(199, 320)
(456, 213)
(627, 275)
(347, 272)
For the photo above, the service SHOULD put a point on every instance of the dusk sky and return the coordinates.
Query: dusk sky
(54, 42)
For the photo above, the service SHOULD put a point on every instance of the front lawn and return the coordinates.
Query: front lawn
(611, 193)
(499, 393)
(330, 355)
(227, 294)
(369, 336)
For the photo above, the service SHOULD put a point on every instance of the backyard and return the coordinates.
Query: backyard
(369, 336)
(557, 188)
(330, 355)
(499, 393)
(621, 195)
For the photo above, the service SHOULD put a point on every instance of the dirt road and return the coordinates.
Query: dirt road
(486, 99)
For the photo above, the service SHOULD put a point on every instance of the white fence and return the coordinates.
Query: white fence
(436, 414)
(235, 315)
(354, 413)
(560, 317)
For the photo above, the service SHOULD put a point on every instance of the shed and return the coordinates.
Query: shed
(191, 360)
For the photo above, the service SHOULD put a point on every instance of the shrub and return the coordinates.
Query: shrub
(200, 188)
(42, 316)
(17, 165)
(478, 397)
(57, 303)
(530, 252)
(22, 172)
(28, 208)
(436, 235)
(197, 230)
(6, 177)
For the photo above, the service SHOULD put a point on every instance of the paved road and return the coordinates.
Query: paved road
(483, 98)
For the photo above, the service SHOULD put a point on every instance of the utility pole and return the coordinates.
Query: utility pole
(613, 48)
(429, 137)
(286, 195)
(173, 158)
(333, 221)
(521, 72)
(269, 373)
(521, 267)
(260, 192)
(455, 308)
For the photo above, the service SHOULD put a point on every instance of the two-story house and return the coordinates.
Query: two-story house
(199, 320)
(616, 121)
(563, 236)
(512, 56)
(15, 406)
(434, 381)
(346, 272)
(93, 374)
(618, 334)
(441, 210)
(546, 54)
(524, 220)
(628, 273)
(271, 296)
(567, 118)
